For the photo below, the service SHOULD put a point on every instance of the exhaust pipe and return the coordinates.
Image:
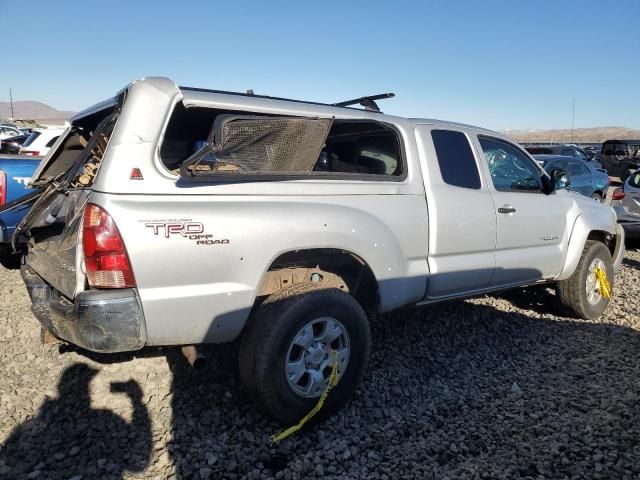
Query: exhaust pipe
(194, 356)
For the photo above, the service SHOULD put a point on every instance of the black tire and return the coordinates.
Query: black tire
(266, 341)
(10, 261)
(597, 196)
(572, 291)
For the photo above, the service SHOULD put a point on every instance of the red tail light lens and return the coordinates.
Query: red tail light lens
(618, 194)
(105, 257)
(34, 153)
(3, 188)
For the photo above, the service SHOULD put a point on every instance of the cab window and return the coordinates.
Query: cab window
(511, 170)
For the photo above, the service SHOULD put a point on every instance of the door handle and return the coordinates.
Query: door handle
(506, 209)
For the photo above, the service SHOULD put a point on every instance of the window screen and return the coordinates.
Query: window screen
(455, 158)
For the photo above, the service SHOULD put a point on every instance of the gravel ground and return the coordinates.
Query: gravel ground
(495, 387)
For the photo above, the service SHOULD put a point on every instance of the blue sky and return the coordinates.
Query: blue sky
(498, 64)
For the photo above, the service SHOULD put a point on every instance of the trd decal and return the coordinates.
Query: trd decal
(22, 180)
(183, 228)
(167, 229)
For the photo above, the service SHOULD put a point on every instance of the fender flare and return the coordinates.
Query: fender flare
(584, 225)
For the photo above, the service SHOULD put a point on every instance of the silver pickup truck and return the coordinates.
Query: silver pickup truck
(180, 216)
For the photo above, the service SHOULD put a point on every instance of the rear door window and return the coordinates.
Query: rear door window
(620, 150)
(577, 168)
(455, 158)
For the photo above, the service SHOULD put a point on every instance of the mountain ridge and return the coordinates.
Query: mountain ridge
(33, 110)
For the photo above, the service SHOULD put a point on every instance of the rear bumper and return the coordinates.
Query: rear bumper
(629, 221)
(98, 320)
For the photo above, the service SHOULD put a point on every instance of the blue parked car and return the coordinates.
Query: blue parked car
(15, 173)
(585, 178)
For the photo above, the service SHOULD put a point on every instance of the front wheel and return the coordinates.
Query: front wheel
(288, 350)
(581, 293)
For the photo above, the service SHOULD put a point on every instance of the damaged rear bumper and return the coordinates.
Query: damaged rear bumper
(98, 320)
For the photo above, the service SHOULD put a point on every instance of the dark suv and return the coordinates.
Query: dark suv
(621, 157)
(566, 150)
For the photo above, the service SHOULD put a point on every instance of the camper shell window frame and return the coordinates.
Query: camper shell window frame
(222, 177)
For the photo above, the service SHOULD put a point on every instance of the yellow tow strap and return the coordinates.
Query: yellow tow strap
(603, 282)
(333, 381)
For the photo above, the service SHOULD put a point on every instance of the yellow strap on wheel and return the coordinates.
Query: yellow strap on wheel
(603, 282)
(333, 381)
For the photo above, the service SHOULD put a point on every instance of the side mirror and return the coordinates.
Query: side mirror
(560, 178)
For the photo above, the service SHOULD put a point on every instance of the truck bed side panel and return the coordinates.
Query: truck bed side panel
(198, 260)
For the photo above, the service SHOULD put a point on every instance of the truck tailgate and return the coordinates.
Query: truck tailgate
(53, 241)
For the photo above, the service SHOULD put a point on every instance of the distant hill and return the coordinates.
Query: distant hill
(30, 110)
(580, 135)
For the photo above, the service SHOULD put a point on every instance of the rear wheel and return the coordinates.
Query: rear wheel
(286, 355)
(580, 293)
(597, 196)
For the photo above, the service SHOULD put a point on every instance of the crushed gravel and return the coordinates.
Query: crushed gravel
(495, 387)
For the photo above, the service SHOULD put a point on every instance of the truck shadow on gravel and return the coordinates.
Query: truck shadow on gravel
(457, 389)
(86, 439)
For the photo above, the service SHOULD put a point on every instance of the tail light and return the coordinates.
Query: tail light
(34, 153)
(618, 194)
(105, 257)
(3, 188)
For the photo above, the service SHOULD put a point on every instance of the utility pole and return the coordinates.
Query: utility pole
(573, 116)
(11, 101)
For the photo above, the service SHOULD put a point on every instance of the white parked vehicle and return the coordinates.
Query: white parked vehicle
(40, 141)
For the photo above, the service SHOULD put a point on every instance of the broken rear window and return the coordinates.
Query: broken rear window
(201, 142)
(81, 151)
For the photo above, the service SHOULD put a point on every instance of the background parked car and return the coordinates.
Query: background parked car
(15, 173)
(585, 178)
(626, 204)
(621, 157)
(593, 152)
(566, 150)
(12, 145)
(40, 141)
(7, 131)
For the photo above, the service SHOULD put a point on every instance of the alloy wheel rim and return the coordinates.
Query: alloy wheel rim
(309, 360)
